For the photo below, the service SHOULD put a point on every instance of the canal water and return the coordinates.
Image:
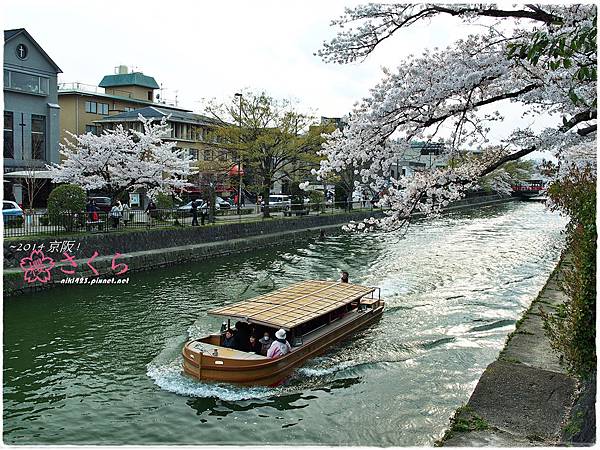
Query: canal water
(101, 365)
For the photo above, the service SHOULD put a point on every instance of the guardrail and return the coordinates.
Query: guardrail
(41, 223)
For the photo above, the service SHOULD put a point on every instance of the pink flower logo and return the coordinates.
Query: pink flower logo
(37, 267)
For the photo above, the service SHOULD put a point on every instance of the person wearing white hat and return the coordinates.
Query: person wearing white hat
(280, 346)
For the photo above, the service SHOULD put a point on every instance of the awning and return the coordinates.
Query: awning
(296, 304)
(235, 171)
(35, 174)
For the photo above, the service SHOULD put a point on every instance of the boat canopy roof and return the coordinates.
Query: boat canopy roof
(294, 305)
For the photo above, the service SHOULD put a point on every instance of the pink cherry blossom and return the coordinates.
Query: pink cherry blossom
(37, 267)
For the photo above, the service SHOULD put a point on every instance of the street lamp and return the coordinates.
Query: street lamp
(239, 202)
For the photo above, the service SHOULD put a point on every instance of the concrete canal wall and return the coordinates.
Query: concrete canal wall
(155, 248)
(526, 397)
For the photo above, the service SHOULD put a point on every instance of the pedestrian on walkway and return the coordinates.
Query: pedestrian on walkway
(115, 214)
(150, 212)
(126, 213)
(195, 213)
(203, 212)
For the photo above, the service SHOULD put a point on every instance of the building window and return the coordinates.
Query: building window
(193, 153)
(150, 95)
(96, 108)
(129, 108)
(222, 155)
(38, 137)
(44, 82)
(177, 130)
(91, 107)
(25, 82)
(9, 149)
(94, 129)
(208, 154)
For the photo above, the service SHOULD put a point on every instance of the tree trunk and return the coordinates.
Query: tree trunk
(212, 211)
(266, 193)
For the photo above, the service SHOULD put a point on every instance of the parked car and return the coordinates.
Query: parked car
(11, 209)
(277, 202)
(223, 204)
(102, 203)
(187, 208)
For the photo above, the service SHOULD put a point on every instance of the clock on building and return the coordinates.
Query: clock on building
(22, 51)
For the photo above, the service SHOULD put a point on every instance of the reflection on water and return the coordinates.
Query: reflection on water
(102, 365)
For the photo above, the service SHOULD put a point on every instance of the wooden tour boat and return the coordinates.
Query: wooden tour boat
(314, 314)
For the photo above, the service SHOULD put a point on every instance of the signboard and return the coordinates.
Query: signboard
(134, 200)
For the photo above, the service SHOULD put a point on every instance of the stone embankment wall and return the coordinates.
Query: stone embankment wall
(525, 397)
(155, 248)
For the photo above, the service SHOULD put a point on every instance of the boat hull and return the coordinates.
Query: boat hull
(269, 372)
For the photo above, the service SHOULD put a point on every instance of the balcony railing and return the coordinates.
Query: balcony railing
(76, 86)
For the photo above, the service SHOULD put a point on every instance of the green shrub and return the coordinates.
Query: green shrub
(44, 220)
(341, 196)
(316, 199)
(66, 206)
(164, 201)
(572, 329)
(123, 197)
(13, 221)
(296, 197)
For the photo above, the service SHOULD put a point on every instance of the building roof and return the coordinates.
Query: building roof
(158, 112)
(8, 34)
(11, 34)
(129, 79)
(296, 304)
(116, 97)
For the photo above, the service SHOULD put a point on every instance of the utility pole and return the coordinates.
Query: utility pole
(239, 200)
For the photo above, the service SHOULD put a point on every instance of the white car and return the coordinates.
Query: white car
(222, 204)
(277, 201)
(187, 208)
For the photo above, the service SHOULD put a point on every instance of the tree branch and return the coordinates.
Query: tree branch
(587, 130)
(507, 158)
(536, 13)
(583, 116)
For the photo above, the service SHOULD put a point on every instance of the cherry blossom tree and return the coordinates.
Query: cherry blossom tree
(123, 160)
(545, 63)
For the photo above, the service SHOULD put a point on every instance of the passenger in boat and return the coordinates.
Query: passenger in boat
(344, 278)
(241, 337)
(228, 340)
(265, 343)
(280, 346)
(254, 346)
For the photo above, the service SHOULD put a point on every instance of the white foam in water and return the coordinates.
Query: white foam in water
(170, 377)
(167, 372)
(319, 372)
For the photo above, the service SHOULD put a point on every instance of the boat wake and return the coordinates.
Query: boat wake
(354, 359)
(167, 373)
(170, 377)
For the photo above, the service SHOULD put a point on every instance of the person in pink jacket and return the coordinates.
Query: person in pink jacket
(280, 346)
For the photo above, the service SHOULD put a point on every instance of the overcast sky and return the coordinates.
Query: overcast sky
(212, 49)
(201, 50)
